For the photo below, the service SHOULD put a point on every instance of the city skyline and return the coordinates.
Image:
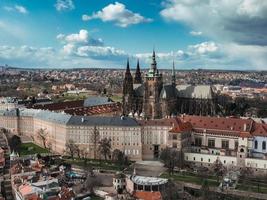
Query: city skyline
(73, 33)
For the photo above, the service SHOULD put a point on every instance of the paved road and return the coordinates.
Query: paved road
(149, 168)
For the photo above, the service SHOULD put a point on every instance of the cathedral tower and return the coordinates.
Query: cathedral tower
(127, 101)
(138, 76)
(173, 75)
(152, 87)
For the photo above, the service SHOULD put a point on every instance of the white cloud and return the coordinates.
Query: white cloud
(239, 21)
(81, 37)
(64, 5)
(195, 33)
(239, 26)
(204, 47)
(16, 8)
(119, 14)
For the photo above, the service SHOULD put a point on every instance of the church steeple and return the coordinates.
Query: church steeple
(138, 76)
(154, 62)
(127, 90)
(128, 71)
(128, 80)
(173, 74)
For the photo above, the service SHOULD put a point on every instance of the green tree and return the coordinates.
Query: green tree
(119, 158)
(15, 143)
(105, 147)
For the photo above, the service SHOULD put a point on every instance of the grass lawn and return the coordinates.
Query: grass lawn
(96, 198)
(252, 188)
(30, 149)
(105, 165)
(116, 98)
(190, 179)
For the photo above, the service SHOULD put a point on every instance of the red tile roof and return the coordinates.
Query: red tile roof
(226, 126)
(219, 123)
(144, 195)
(259, 129)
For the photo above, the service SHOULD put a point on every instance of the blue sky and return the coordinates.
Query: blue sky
(213, 34)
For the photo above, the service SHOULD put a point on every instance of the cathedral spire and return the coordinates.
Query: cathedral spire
(173, 74)
(138, 76)
(128, 71)
(154, 62)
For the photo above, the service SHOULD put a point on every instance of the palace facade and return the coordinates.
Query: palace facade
(201, 139)
(152, 99)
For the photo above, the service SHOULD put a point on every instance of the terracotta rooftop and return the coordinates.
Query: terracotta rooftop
(144, 195)
(226, 125)
(60, 106)
(219, 123)
(95, 110)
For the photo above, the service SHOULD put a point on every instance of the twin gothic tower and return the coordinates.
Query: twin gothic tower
(151, 99)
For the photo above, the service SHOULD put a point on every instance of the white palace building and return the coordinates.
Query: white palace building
(236, 142)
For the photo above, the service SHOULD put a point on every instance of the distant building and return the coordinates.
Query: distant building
(152, 99)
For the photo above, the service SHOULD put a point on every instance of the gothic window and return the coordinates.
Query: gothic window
(256, 144)
(263, 145)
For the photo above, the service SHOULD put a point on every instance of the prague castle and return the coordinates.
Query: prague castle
(152, 99)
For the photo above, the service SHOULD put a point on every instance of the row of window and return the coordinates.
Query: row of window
(131, 152)
(211, 143)
(209, 161)
(263, 145)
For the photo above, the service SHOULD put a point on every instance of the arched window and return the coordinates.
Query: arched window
(256, 144)
(263, 145)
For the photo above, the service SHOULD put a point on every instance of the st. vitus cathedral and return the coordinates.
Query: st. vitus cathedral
(152, 99)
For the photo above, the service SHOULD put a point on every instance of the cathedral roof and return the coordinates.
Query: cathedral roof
(139, 89)
(195, 91)
(168, 91)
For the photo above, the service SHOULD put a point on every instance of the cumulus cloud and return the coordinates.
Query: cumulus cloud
(82, 45)
(204, 47)
(119, 14)
(243, 21)
(64, 5)
(81, 38)
(239, 26)
(16, 8)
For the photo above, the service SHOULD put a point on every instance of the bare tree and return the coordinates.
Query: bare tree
(95, 137)
(170, 158)
(71, 148)
(105, 147)
(218, 169)
(42, 135)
